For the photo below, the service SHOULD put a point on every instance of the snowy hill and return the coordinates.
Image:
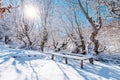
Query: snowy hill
(31, 65)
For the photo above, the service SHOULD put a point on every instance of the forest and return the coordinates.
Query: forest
(77, 27)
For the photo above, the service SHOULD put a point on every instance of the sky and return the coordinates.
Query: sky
(62, 4)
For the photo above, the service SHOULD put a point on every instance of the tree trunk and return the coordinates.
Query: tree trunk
(96, 28)
(44, 39)
(96, 42)
(83, 47)
(82, 42)
(42, 46)
(7, 40)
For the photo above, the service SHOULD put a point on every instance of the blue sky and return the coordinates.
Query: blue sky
(62, 4)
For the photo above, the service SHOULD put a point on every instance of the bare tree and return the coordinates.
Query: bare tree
(96, 27)
(23, 29)
(4, 10)
(113, 7)
(5, 32)
(55, 42)
(45, 8)
(74, 30)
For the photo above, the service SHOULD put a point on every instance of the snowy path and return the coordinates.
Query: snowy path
(42, 68)
(37, 70)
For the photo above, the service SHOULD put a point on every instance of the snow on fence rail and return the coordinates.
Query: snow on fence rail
(72, 56)
(65, 55)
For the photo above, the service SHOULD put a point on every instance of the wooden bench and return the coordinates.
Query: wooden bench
(72, 56)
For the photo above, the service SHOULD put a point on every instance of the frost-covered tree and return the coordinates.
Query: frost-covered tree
(46, 7)
(6, 22)
(96, 24)
(113, 7)
(5, 32)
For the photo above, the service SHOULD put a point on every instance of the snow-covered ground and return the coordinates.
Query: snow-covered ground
(28, 66)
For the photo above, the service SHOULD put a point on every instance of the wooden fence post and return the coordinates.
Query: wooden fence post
(91, 60)
(66, 60)
(81, 64)
(52, 56)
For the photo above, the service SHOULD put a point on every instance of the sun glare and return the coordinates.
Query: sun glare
(31, 12)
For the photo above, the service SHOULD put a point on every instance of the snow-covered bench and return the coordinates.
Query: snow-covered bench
(73, 56)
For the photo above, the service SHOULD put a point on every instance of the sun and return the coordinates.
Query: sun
(30, 12)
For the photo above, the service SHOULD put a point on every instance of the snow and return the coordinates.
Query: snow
(27, 66)
(70, 55)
